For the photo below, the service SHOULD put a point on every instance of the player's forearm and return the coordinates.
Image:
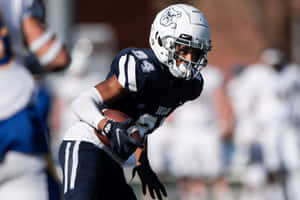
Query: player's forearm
(138, 154)
(49, 50)
(141, 155)
(87, 107)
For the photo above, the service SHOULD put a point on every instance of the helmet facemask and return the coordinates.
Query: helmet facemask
(177, 49)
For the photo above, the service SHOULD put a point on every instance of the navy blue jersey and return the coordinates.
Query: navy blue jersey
(153, 90)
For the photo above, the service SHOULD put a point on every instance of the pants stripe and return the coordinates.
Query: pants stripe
(75, 164)
(67, 152)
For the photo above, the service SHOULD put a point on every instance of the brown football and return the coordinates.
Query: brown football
(116, 116)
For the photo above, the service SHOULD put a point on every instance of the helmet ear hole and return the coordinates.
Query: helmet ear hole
(159, 41)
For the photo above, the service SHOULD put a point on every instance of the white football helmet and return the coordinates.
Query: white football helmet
(181, 24)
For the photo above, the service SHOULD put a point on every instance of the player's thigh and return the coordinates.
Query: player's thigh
(89, 173)
(25, 177)
(79, 169)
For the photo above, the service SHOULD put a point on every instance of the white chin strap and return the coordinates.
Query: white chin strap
(180, 71)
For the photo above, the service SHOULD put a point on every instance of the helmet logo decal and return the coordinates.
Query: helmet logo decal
(169, 16)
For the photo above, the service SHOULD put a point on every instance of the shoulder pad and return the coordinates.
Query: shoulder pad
(130, 70)
(144, 60)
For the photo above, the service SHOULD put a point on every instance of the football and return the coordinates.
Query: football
(117, 116)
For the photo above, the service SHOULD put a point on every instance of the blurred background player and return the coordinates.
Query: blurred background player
(192, 151)
(259, 121)
(287, 144)
(38, 49)
(290, 92)
(266, 140)
(146, 84)
(247, 159)
(23, 170)
(35, 45)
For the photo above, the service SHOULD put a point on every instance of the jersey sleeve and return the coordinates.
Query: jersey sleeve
(33, 8)
(128, 69)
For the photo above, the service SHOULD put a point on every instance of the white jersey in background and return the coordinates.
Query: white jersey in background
(254, 95)
(266, 103)
(290, 92)
(23, 135)
(16, 89)
(16, 82)
(191, 136)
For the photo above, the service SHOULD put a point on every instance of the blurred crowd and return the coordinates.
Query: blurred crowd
(239, 140)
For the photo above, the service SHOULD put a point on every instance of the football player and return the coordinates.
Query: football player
(147, 85)
(34, 47)
(22, 169)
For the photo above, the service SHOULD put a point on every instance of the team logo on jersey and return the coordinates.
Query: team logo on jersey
(163, 111)
(169, 16)
(140, 55)
(147, 66)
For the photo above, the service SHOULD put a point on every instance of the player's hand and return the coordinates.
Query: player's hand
(150, 180)
(121, 141)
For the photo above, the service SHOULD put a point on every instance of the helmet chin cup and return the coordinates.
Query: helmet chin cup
(182, 71)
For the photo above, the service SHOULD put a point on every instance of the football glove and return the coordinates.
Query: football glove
(122, 143)
(149, 178)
